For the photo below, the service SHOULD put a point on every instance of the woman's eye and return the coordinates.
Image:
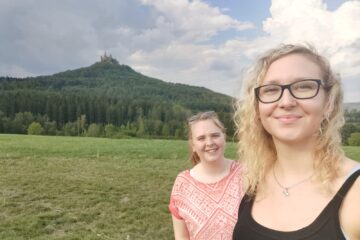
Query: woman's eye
(306, 86)
(269, 90)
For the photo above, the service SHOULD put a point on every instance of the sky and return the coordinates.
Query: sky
(208, 43)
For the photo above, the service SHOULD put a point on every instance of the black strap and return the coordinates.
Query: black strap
(245, 200)
(346, 187)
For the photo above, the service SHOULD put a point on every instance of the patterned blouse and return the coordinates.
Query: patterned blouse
(209, 210)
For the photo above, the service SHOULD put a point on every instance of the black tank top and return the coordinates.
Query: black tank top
(325, 226)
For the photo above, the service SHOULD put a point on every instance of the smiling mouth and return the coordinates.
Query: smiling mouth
(211, 150)
(288, 119)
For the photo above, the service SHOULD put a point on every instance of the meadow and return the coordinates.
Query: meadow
(90, 188)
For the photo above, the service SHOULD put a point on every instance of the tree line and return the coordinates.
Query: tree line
(51, 113)
(84, 115)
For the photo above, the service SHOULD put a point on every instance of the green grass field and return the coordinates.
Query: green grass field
(90, 188)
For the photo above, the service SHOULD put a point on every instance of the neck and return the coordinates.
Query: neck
(211, 172)
(213, 168)
(294, 160)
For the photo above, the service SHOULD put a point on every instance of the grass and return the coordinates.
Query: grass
(90, 188)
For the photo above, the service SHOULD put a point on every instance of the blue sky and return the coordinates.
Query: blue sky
(206, 43)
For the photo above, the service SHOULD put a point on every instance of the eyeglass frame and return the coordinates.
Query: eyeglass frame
(288, 87)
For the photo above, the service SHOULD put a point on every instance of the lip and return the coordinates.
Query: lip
(212, 150)
(288, 118)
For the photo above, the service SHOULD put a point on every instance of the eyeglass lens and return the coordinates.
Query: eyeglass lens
(303, 89)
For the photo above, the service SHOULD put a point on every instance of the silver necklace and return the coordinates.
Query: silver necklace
(285, 190)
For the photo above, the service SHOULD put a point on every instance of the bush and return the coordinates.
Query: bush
(35, 128)
(110, 130)
(94, 130)
(354, 139)
(70, 129)
(346, 132)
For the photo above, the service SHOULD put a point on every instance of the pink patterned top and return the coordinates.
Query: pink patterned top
(209, 210)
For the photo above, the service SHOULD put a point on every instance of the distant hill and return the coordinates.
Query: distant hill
(109, 93)
(120, 81)
(352, 106)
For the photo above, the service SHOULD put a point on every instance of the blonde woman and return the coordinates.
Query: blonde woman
(205, 199)
(299, 184)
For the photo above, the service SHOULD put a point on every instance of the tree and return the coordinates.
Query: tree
(346, 132)
(110, 130)
(35, 128)
(50, 128)
(165, 132)
(81, 124)
(7, 125)
(70, 129)
(21, 121)
(2, 115)
(141, 127)
(94, 130)
(354, 139)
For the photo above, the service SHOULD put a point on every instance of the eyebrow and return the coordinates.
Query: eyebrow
(210, 134)
(277, 81)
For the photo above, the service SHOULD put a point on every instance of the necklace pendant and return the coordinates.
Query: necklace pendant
(285, 192)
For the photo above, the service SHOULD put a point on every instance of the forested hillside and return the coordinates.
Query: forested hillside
(105, 98)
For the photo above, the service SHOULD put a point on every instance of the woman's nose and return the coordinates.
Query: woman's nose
(287, 100)
(209, 141)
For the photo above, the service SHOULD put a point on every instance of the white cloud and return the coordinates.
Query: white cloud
(52, 36)
(217, 68)
(351, 89)
(334, 33)
(193, 21)
(220, 67)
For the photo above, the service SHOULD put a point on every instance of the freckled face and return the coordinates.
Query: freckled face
(208, 141)
(289, 119)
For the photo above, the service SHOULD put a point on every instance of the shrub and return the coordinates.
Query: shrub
(110, 130)
(94, 130)
(35, 128)
(354, 139)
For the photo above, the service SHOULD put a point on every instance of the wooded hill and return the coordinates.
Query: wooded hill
(105, 94)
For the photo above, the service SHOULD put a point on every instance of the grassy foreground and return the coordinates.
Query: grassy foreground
(90, 188)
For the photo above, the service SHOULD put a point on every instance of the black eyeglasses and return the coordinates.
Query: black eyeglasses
(303, 89)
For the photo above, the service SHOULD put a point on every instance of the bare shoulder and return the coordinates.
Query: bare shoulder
(350, 209)
(349, 165)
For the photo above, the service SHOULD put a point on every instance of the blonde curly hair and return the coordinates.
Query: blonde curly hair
(256, 147)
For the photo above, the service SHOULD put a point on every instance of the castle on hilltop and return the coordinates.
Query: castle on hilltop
(107, 59)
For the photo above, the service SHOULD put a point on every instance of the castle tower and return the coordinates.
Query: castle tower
(107, 58)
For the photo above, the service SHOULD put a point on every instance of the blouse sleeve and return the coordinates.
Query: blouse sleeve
(174, 210)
